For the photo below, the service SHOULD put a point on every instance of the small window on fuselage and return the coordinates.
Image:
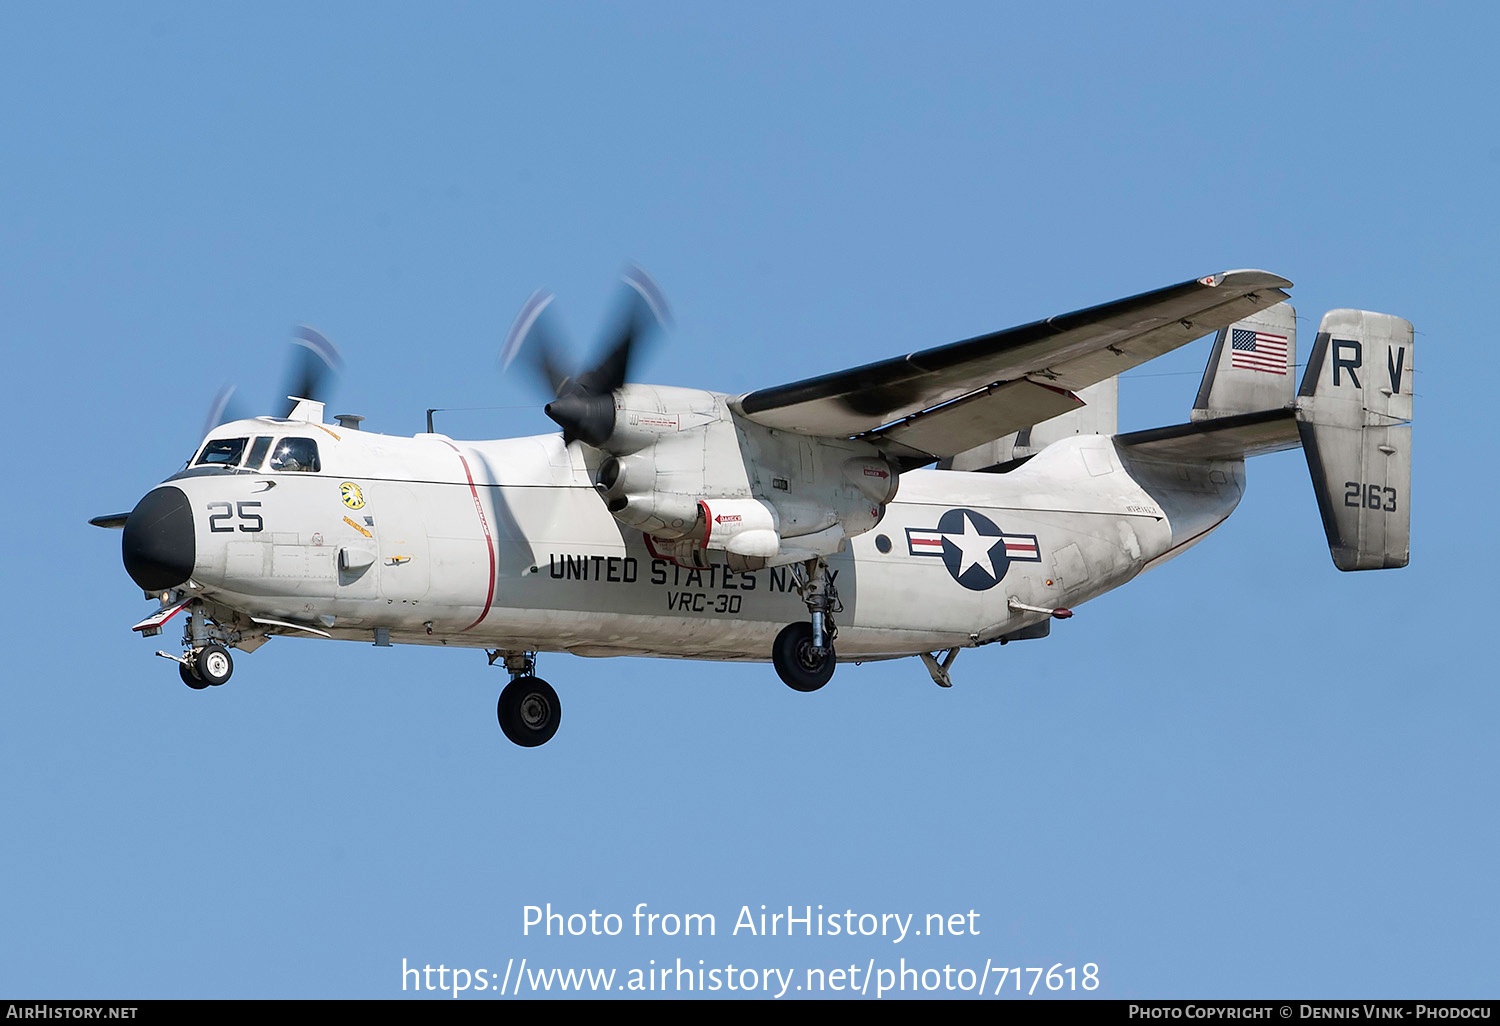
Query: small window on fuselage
(295, 454)
(222, 452)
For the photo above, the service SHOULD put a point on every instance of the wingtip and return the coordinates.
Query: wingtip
(1246, 278)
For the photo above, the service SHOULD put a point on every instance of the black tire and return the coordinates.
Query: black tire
(190, 678)
(213, 664)
(529, 711)
(795, 662)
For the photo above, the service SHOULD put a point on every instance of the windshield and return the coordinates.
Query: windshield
(222, 452)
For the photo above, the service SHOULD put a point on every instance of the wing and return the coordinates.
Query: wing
(942, 401)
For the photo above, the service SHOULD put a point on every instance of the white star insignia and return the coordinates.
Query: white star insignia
(974, 548)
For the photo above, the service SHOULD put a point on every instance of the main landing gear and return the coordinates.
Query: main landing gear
(803, 652)
(529, 710)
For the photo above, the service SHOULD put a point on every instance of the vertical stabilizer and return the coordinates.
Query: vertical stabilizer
(1251, 366)
(1354, 412)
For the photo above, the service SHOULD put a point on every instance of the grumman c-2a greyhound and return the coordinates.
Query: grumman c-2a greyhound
(669, 521)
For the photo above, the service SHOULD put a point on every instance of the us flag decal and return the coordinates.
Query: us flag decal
(1257, 351)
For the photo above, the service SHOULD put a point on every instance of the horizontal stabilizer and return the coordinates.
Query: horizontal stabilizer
(1225, 438)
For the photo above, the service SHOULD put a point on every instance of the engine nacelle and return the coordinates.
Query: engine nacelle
(647, 414)
(679, 466)
(630, 487)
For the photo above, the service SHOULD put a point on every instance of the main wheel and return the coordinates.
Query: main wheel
(529, 711)
(797, 664)
(190, 678)
(213, 664)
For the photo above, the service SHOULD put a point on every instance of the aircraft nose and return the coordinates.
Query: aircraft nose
(158, 545)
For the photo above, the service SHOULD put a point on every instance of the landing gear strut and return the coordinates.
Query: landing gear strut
(803, 652)
(529, 710)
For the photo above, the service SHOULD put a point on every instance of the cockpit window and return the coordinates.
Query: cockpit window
(295, 454)
(222, 452)
(258, 452)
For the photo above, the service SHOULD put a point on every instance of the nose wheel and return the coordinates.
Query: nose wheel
(204, 667)
(213, 664)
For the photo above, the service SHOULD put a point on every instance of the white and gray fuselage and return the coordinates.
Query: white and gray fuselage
(507, 545)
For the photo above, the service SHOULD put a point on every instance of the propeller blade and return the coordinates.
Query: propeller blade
(534, 336)
(221, 410)
(639, 280)
(641, 313)
(315, 362)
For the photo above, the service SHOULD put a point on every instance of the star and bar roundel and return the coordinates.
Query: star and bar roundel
(975, 551)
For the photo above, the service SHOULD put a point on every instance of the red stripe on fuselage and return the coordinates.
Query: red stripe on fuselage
(489, 542)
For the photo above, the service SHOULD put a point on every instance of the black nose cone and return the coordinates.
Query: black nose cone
(158, 546)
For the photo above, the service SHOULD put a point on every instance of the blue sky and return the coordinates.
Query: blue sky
(1244, 775)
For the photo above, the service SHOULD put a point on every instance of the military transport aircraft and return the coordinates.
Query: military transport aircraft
(917, 506)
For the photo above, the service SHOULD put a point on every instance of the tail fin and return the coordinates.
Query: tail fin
(1251, 366)
(1354, 412)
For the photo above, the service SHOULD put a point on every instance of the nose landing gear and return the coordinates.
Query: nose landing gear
(208, 666)
(206, 663)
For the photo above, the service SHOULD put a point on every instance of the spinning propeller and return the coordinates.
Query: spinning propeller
(315, 365)
(584, 404)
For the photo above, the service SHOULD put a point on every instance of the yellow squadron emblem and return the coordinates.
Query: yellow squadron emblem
(352, 496)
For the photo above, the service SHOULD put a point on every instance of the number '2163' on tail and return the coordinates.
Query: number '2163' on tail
(1354, 411)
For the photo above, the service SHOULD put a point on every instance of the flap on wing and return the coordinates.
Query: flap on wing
(980, 417)
(1068, 352)
(1227, 438)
